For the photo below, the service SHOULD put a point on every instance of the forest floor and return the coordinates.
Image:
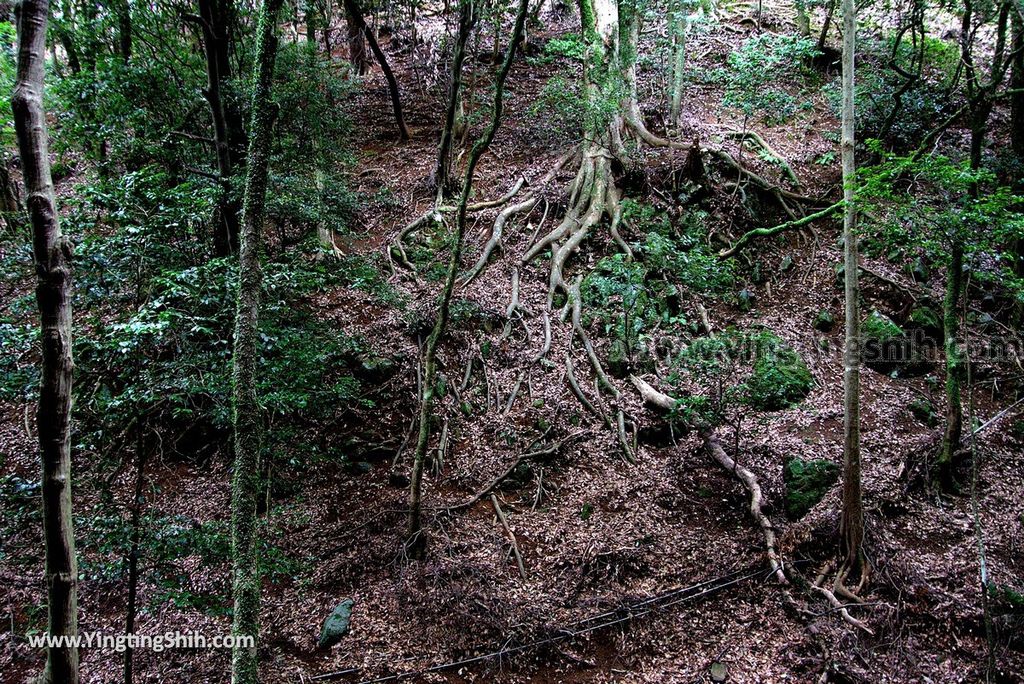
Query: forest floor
(597, 535)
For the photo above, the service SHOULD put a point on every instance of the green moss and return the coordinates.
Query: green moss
(807, 482)
(780, 378)
(924, 411)
(878, 326)
(824, 321)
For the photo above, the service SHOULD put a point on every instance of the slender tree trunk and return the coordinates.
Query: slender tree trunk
(1017, 86)
(352, 8)
(225, 238)
(954, 366)
(1017, 138)
(852, 519)
(467, 17)
(124, 28)
(823, 37)
(133, 554)
(415, 542)
(52, 253)
(678, 20)
(246, 410)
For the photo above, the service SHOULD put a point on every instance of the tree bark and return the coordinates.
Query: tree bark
(1017, 86)
(415, 541)
(442, 170)
(210, 20)
(852, 519)
(246, 419)
(954, 367)
(356, 15)
(678, 20)
(52, 253)
(356, 46)
(133, 553)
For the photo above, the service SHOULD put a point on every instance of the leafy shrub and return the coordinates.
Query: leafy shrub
(756, 70)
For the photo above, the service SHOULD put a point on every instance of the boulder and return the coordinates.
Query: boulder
(807, 482)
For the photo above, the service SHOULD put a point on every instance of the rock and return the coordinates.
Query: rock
(888, 349)
(398, 480)
(807, 482)
(719, 671)
(618, 361)
(376, 369)
(824, 321)
(787, 263)
(336, 625)
(927, 317)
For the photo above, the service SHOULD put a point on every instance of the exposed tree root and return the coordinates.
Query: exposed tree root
(761, 143)
(663, 401)
(839, 588)
(750, 236)
(525, 206)
(511, 537)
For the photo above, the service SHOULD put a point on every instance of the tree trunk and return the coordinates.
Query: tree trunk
(415, 542)
(954, 367)
(225, 239)
(852, 519)
(678, 20)
(1017, 86)
(133, 554)
(246, 410)
(442, 181)
(352, 8)
(52, 254)
(356, 46)
(124, 28)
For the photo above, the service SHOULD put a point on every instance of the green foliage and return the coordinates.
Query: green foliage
(756, 70)
(780, 378)
(307, 185)
(722, 375)
(680, 253)
(569, 46)
(918, 206)
(561, 109)
(921, 104)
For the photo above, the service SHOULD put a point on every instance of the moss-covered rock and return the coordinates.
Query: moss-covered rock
(924, 411)
(824, 321)
(888, 349)
(807, 482)
(337, 624)
(780, 378)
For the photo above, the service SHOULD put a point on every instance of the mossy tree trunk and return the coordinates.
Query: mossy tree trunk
(52, 254)
(954, 366)
(852, 519)
(415, 541)
(246, 418)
